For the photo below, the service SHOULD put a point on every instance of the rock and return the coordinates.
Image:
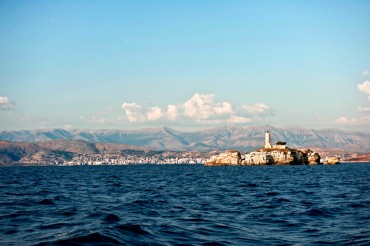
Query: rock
(273, 157)
(313, 158)
(228, 158)
(265, 157)
(332, 161)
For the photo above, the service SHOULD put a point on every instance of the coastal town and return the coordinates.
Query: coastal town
(99, 159)
(76, 159)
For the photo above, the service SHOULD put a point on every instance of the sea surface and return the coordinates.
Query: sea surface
(185, 204)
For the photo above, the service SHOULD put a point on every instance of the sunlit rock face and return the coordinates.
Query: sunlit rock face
(265, 157)
(228, 158)
(313, 158)
(332, 161)
(271, 157)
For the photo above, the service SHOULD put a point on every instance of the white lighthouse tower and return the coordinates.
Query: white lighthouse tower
(267, 140)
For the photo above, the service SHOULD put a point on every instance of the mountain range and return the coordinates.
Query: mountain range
(14, 151)
(240, 138)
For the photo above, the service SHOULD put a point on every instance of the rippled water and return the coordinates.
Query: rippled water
(185, 204)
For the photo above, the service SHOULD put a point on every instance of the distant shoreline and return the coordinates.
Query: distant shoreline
(17, 164)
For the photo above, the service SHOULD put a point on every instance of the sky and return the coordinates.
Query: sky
(188, 65)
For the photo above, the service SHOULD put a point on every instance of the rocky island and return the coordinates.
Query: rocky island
(279, 154)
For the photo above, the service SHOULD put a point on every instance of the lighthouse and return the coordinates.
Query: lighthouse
(267, 140)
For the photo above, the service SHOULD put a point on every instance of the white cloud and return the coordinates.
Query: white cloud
(99, 120)
(5, 103)
(258, 108)
(172, 112)
(364, 87)
(210, 121)
(362, 120)
(134, 112)
(365, 120)
(154, 113)
(202, 106)
(366, 73)
(362, 109)
(67, 126)
(199, 109)
(239, 120)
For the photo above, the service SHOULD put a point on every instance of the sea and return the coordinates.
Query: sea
(185, 205)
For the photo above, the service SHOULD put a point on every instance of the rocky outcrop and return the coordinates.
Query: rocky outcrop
(312, 157)
(268, 158)
(265, 157)
(228, 158)
(331, 161)
(276, 157)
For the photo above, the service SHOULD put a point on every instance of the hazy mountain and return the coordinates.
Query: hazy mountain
(228, 137)
(14, 151)
(65, 152)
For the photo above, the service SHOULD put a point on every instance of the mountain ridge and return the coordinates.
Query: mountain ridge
(240, 138)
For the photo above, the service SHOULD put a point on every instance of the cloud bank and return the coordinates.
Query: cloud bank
(199, 109)
(363, 109)
(364, 120)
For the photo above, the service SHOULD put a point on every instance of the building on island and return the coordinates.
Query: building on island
(267, 140)
(279, 145)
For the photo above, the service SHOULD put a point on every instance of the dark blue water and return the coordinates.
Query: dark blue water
(185, 204)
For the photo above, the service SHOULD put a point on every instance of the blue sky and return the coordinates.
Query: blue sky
(184, 64)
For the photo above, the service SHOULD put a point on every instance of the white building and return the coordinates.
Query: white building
(279, 145)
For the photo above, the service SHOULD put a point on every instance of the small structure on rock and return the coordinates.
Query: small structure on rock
(267, 140)
(279, 145)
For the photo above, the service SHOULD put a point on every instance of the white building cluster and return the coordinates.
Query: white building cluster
(100, 159)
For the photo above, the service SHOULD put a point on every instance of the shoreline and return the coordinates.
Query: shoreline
(167, 164)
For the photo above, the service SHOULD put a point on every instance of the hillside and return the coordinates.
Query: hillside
(244, 139)
(15, 151)
(66, 152)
